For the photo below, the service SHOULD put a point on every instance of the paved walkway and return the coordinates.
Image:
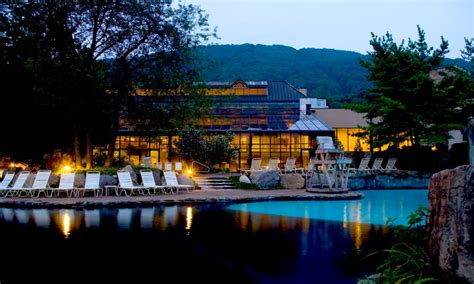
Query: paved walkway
(195, 197)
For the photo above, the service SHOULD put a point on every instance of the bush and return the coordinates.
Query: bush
(242, 185)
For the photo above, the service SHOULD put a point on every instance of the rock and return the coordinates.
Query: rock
(107, 180)
(157, 176)
(244, 179)
(29, 180)
(79, 180)
(133, 175)
(54, 180)
(265, 179)
(451, 221)
(184, 180)
(389, 180)
(292, 181)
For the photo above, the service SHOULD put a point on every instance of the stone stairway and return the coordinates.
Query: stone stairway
(214, 182)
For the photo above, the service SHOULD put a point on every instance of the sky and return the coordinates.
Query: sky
(339, 24)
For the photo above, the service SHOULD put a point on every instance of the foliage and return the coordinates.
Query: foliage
(77, 66)
(211, 150)
(331, 74)
(407, 261)
(111, 171)
(357, 154)
(407, 102)
(219, 149)
(242, 185)
(191, 145)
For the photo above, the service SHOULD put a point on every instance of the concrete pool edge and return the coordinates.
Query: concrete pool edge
(191, 198)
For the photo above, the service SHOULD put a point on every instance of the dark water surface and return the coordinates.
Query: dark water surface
(265, 242)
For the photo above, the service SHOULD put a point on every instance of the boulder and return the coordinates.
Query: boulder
(265, 179)
(451, 221)
(107, 180)
(79, 180)
(182, 179)
(292, 181)
(157, 176)
(244, 179)
(54, 180)
(29, 180)
(133, 175)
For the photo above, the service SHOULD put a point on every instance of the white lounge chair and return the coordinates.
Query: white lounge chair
(377, 165)
(290, 166)
(41, 183)
(6, 182)
(92, 183)
(126, 184)
(19, 184)
(172, 181)
(66, 184)
(390, 165)
(363, 166)
(148, 181)
(273, 165)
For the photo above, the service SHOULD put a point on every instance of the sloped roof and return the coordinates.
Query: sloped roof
(341, 118)
(278, 91)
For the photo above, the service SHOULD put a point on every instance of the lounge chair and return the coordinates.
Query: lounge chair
(172, 181)
(92, 183)
(66, 184)
(6, 182)
(273, 165)
(18, 185)
(363, 166)
(126, 184)
(148, 181)
(377, 165)
(41, 183)
(390, 165)
(290, 166)
(254, 166)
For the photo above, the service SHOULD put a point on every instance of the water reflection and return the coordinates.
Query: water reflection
(42, 218)
(92, 218)
(66, 222)
(189, 217)
(124, 218)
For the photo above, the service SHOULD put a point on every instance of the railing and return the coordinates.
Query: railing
(208, 169)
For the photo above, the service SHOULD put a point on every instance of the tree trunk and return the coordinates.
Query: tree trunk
(88, 150)
(110, 152)
(77, 147)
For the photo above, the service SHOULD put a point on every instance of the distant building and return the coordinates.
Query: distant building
(268, 119)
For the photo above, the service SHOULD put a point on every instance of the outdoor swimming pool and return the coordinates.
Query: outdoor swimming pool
(262, 242)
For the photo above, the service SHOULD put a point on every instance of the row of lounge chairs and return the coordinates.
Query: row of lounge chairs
(290, 165)
(17, 188)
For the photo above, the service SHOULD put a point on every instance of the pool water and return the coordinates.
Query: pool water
(261, 242)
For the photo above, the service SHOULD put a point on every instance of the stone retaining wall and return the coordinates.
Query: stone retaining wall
(390, 180)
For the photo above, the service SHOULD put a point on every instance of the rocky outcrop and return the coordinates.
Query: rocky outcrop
(53, 180)
(265, 179)
(292, 181)
(133, 175)
(451, 221)
(107, 180)
(389, 180)
(79, 180)
(184, 180)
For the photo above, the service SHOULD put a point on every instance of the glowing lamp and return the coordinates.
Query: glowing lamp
(67, 168)
(12, 165)
(434, 148)
(189, 172)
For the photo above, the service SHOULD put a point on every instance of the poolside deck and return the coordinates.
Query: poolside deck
(182, 198)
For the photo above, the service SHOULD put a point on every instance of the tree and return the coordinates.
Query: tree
(219, 149)
(406, 102)
(86, 60)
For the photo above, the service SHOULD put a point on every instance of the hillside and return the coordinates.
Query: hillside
(327, 73)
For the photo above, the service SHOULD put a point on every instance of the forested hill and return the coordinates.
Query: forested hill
(327, 73)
